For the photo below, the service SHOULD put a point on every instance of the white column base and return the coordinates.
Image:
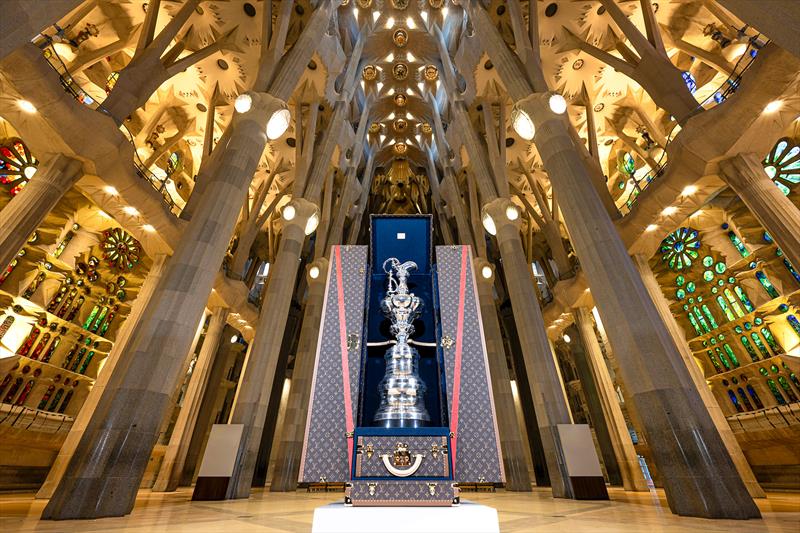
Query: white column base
(468, 517)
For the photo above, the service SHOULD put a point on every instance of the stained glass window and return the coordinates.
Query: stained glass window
(787, 389)
(775, 392)
(714, 361)
(754, 395)
(691, 83)
(749, 347)
(736, 241)
(782, 164)
(731, 355)
(767, 284)
(794, 323)
(17, 165)
(745, 300)
(771, 341)
(725, 309)
(735, 401)
(679, 248)
(745, 399)
(759, 344)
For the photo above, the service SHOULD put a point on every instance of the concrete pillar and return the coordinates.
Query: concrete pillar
(698, 379)
(175, 454)
(287, 463)
(253, 395)
(26, 211)
(514, 461)
(548, 396)
(132, 321)
(745, 174)
(627, 460)
(700, 478)
(105, 472)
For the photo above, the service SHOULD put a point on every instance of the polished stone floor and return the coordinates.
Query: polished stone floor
(519, 512)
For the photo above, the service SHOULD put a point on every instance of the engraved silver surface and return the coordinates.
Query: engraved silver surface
(402, 391)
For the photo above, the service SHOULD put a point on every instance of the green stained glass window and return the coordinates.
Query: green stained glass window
(731, 279)
(725, 309)
(738, 329)
(721, 282)
(691, 287)
(679, 280)
(720, 268)
(737, 242)
(722, 357)
(708, 276)
(774, 369)
(701, 320)
(765, 282)
(763, 371)
(771, 341)
(693, 321)
(758, 321)
(708, 261)
(787, 389)
(792, 320)
(760, 345)
(745, 301)
(709, 316)
(775, 392)
(685, 307)
(734, 302)
(731, 355)
(749, 347)
(714, 362)
(714, 290)
(680, 294)
(782, 164)
(748, 326)
(679, 248)
(699, 299)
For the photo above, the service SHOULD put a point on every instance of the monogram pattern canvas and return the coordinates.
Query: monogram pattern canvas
(399, 493)
(477, 453)
(430, 467)
(325, 452)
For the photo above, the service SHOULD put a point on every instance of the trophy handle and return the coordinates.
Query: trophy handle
(410, 471)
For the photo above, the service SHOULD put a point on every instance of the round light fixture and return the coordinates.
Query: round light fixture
(313, 272)
(311, 225)
(486, 272)
(26, 106)
(488, 224)
(29, 171)
(558, 104)
(773, 106)
(523, 124)
(289, 212)
(278, 123)
(234, 339)
(512, 213)
(243, 103)
(566, 338)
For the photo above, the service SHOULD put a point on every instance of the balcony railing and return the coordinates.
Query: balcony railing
(72, 87)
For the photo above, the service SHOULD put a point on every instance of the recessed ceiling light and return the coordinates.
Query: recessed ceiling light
(111, 190)
(670, 210)
(26, 106)
(132, 211)
(651, 227)
(148, 228)
(689, 190)
(773, 106)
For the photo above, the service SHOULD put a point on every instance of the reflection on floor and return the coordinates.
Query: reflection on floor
(267, 512)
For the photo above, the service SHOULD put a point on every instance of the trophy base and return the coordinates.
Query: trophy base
(395, 423)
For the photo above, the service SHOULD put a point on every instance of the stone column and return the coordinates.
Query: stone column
(516, 467)
(548, 396)
(87, 410)
(175, 454)
(105, 472)
(26, 211)
(252, 398)
(287, 462)
(627, 460)
(698, 379)
(745, 174)
(699, 476)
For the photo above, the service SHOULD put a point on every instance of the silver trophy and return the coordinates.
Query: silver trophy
(401, 389)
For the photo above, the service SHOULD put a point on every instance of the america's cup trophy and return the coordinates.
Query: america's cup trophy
(401, 389)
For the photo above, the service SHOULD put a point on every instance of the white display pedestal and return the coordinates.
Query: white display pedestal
(465, 518)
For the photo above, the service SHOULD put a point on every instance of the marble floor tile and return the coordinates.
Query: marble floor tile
(267, 512)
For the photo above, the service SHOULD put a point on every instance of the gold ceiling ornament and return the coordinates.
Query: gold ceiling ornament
(436, 4)
(369, 73)
(400, 148)
(364, 4)
(400, 37)
(345, 2)
(431, 73)
(375, 127)
(400, 190)
(399, 4)
(400, 71)
(400, 125)
(426, 128)
(400, 100)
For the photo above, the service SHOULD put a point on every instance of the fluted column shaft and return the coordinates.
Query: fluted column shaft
(174, 456)
(516, 467)
(632, 477)
(699, 476)
(105, 472)
(253, 395)
(132, 321)
(699, 380)
(548, 396)
(773, 210)
(26, 211)
(287, 463)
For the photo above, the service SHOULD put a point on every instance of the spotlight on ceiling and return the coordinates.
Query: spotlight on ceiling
(512, 213)
(26, 106)
(558, 104)
(29, 171)
(486, 272)
(149, 228)
(773, 106)
(488, 224)
(522, 124)
(669, 210)
(651, 228)
(289, 212)
(313, 272)
(278, 123)
(243, 103)
(689, 190)
(111, 190)
(566, 338)
(311, 225)
(130, 210)
(234, 339)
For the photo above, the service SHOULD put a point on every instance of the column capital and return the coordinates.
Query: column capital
(267, 111)
(742, 170)
(499, 214)
(301, 214)
(317, 271)
(484, 270)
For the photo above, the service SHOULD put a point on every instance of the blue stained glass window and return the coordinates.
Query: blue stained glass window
(735, 401)
(691, 83)
(765, 282)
